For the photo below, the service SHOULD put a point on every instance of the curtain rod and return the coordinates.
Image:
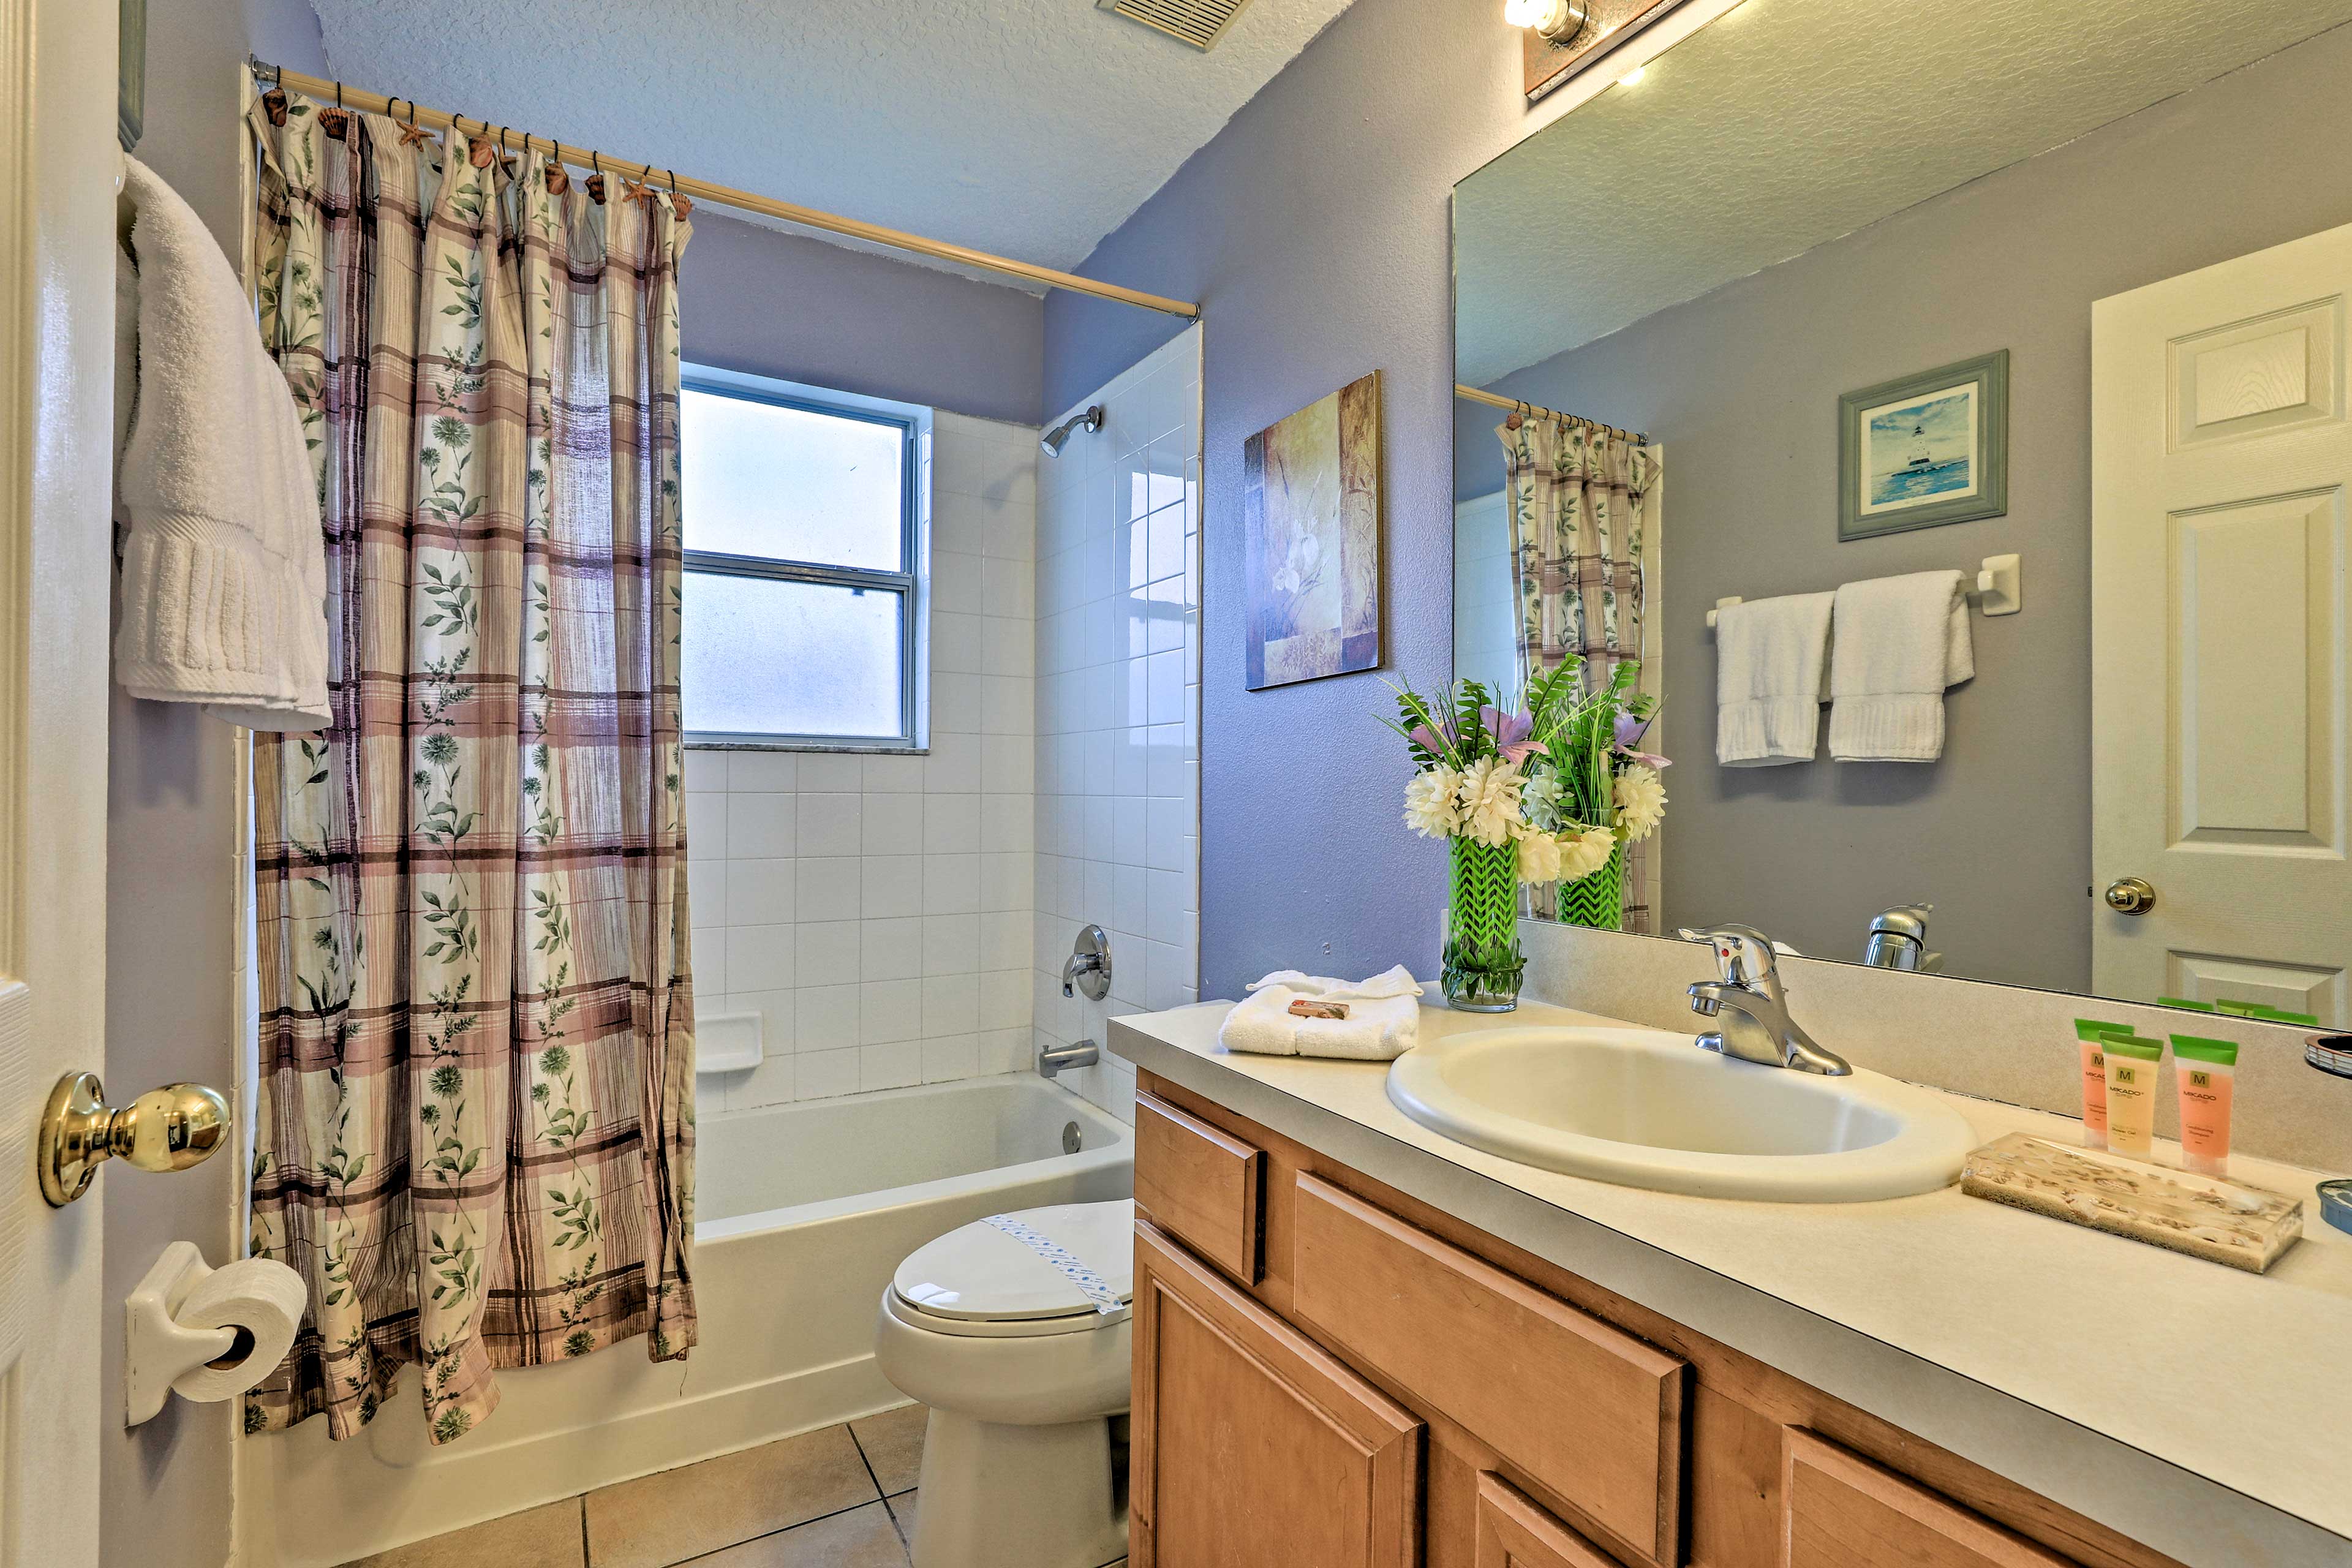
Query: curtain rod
(1519, 405)
(726, 196)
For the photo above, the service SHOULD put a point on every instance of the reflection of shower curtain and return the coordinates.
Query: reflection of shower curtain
(1578, 503)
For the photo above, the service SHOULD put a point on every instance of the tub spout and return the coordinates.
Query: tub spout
(1052, 1060)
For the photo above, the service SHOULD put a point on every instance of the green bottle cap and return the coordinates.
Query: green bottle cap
(2220, 1053)
(2184, 1001)
(2092, 1029)
(2133, 1046)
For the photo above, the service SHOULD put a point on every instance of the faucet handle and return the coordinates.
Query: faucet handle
(1745, 952)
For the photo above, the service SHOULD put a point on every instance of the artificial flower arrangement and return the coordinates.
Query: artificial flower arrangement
(1549, 793)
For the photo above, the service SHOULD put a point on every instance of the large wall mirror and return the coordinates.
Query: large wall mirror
(1835, 295)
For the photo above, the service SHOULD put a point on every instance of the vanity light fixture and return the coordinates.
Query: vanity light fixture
(1632, 77)
(1559, 22)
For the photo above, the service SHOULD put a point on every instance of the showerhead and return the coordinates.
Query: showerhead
(1052, 441)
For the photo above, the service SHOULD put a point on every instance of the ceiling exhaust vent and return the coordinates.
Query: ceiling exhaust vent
(1200, 23)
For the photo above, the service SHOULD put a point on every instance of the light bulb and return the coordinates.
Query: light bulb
(1543, 15)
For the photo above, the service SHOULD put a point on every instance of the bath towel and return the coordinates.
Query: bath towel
(1769, 658)
(224, 567)
(1900, 642)
(1384, 1019)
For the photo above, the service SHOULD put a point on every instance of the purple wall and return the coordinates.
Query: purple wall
(1314, 229)
(769, 304)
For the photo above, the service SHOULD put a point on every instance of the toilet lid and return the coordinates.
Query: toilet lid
(980, 1273)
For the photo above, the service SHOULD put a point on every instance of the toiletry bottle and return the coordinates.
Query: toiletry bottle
(2203, 1069)
(2088, 1034)
(2132, 1065)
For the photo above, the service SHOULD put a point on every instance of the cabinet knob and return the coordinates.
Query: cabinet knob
(167, 1129)
(2130, 896)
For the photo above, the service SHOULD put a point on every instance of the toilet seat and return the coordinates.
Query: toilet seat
(981, 1282)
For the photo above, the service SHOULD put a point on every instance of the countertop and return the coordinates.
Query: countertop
(2201, 1410)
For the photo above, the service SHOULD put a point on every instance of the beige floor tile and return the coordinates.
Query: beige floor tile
(862, 1538)
(902, 1512)
(893, 1442)
(660, 1520)
(545, 1537)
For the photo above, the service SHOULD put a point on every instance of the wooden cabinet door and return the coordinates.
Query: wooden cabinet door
(1842, 1511)
(1515, 1532)
(1252, 1448)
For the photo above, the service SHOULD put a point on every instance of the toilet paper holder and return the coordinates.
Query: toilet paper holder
(162, 1354)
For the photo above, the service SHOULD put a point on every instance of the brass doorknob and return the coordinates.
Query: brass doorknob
(2130, 896)
(167, 1129)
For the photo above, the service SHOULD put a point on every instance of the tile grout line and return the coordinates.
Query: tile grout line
(769, 1535)
(586, 1558)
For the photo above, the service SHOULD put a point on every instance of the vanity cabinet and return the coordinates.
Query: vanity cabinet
(1329, 1373)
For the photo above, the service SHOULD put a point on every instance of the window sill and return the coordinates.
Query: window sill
(846, 748)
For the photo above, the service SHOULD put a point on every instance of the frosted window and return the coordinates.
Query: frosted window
(763, 656)
(792, 484)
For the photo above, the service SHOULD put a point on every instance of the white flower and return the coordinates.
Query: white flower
(1539, 798)
(1538, 857)
(1583, 851)
(1640, 801)
(1490, 800)
(1432, 803)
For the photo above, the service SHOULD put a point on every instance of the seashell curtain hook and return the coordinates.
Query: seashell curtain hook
(336, 122)
(678, 203)
(597, 179)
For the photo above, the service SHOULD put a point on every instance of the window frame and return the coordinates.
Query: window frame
(912, 583)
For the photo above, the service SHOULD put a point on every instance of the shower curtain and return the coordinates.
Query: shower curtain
(475, 1135)
(1578, 503)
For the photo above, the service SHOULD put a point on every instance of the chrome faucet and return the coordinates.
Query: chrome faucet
(1753, 1008)
(1898, 939)
(1052, 1060)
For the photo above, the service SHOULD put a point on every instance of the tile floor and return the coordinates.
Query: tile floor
(843, 1497)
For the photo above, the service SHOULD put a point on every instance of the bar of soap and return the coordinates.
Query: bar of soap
(2222, 1222)
(1307, 1007)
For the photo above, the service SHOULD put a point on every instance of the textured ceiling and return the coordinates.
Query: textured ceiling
(1030, 128)
(1790, 122)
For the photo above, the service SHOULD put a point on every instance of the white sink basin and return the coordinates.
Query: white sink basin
(1646, 1109)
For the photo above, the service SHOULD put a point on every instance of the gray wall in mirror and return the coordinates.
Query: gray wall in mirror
(1741, 386)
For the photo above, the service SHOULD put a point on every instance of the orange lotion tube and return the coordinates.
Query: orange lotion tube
(2132, 1065)
(2204, 1069)
(2091, 1032)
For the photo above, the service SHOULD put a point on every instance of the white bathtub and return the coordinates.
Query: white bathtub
(802, 1213)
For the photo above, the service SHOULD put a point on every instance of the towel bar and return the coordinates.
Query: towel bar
(1999, 589)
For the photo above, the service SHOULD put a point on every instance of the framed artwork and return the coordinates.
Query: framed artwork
(1311, 539)
(1925, 450)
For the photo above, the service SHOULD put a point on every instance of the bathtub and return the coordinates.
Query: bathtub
(802, 1213)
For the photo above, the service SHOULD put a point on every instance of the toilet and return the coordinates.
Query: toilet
(1024, 1456)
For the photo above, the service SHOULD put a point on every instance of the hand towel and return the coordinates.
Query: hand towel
(1900, 642)
(224, 565)
(1768, 679)
(1384, 1019)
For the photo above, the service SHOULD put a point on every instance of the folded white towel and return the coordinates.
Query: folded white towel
(1768, 679)
(224, 567)
(1900, 642)
(1384, 1019)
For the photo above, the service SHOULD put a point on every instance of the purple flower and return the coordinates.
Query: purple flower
(1429, 741)
(1511, 731)
(1630, 727)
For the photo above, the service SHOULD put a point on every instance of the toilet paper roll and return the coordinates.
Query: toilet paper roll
(259, 1295)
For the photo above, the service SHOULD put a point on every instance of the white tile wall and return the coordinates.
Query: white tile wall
(878, 912)
(1119, 705)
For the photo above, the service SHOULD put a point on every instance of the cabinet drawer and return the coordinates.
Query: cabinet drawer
(1842, 1511)
(1587, 1412)
(1513, 1533)
(1254, 1448)
(1199, 1184)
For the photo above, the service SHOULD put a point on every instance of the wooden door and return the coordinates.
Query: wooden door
(2222, 459)
(1842, 1511)
(1252, 1448)
(1515, 1532)
(57, 165)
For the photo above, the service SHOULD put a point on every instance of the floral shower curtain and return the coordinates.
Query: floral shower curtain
(475, 1123)
(1579, 503)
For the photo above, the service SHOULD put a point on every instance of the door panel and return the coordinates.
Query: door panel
(1252, 1447)
(1842, 1511)
(2221, 467)
(57, 165)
